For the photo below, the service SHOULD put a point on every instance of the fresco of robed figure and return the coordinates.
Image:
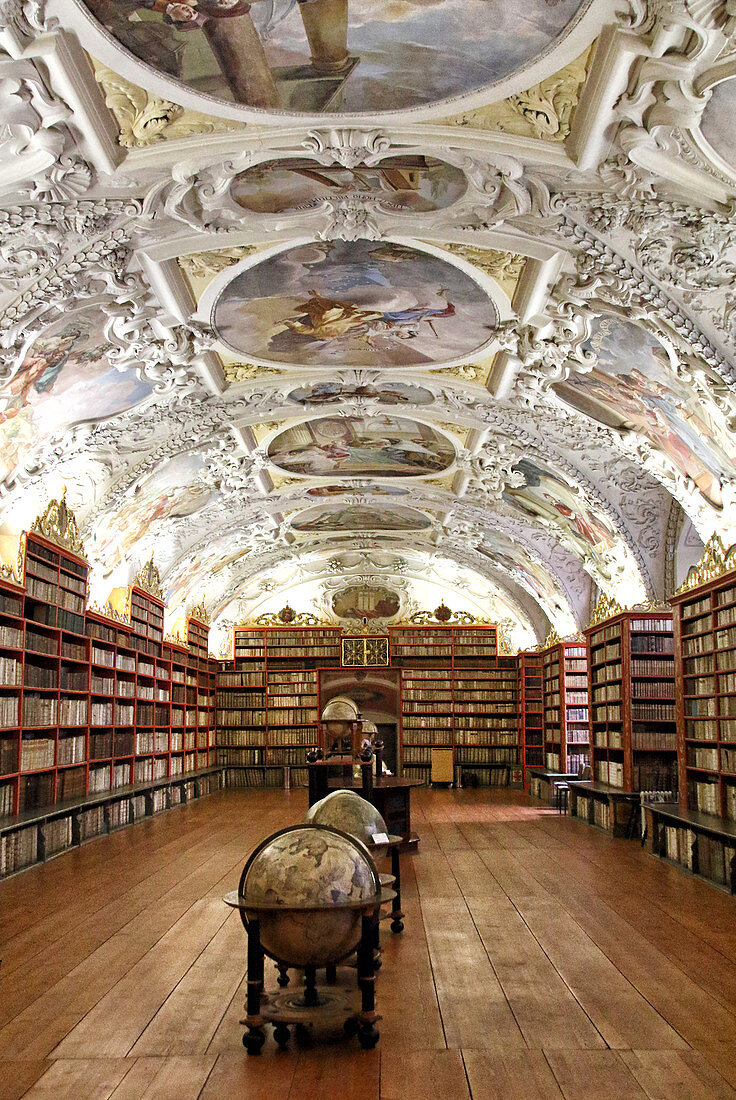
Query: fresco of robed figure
(634, 388)
(359, 303)
(335, 55)
(379, 446)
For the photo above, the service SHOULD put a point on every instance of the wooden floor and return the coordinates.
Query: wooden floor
(540, 959)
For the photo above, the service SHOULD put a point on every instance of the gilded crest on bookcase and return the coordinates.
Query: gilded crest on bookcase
(149, 580)
(553, 638)
(109, 612)
(58, 524)
(200, 613)
(606, 607)
(287, 616)
(716, 561)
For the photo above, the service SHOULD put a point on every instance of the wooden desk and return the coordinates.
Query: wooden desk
(391, 795)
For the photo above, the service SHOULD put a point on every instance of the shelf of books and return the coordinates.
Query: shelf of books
(700, 832)
(92, 738)
(566, 717)
(267, 702)
(706, 681)
(457, 692)
(632, 701)
(531, 711)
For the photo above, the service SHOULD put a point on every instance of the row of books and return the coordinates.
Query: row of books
(704, 796)
(648, 666)
(610, 771)
(236, 756)
(470, 754)
(653, 712)
(9, 710)
(700, 708)
(604, 673)
(12, 637)
(657, 689)
(292, 716)
(241, 717)
(10, 671)
(71, 750)
(437, 737)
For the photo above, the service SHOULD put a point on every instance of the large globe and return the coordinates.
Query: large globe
(347, 811)
(307, 883)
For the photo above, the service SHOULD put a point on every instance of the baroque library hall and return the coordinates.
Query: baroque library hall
(368, 549)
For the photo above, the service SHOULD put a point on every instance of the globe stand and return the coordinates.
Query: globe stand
(340, 1004)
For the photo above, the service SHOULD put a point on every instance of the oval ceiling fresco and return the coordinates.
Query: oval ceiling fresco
(332, 393)
(718, 124)
(411, 184)
(64, 379)
(634, 388)
(356, 446)
(367, 487)
(366, 601)
(354, 303)
(334, 55)
(361, 517)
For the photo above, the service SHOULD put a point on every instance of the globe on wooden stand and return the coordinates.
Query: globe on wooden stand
(308, 896)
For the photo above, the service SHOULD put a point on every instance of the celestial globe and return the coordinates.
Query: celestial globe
(346, 810)
(306, 884)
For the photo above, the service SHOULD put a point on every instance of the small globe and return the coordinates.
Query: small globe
(316, 873)
(346, 810)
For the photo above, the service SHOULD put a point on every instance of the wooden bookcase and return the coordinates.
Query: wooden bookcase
(97, 726)
(457, 692)
(531, 711)
(705, 666)
(632, 701)
(267, 702)
(566, 715)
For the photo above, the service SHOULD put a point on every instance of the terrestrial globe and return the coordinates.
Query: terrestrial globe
(346, 810)
(308, 885)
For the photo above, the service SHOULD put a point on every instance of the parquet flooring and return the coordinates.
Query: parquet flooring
(541, 959)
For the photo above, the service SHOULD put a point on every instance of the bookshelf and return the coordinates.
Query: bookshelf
(531, 711)
(566, 716)
(268, 702)
(632, 701)
(93, 704)
(705, 666)
(457, 692)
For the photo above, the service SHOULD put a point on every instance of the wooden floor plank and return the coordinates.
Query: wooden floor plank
(439, 1073)
(593, 1075)
(70, 1079)
(263, 1078)
(667, 1075)
(17, 1077)
(521, 1074)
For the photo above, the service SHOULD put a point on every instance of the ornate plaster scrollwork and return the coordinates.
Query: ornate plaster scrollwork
(145, 118)
(543, 111)
(164, 354)
(346, 147)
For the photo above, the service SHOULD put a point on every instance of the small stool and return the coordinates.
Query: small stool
(561, 793)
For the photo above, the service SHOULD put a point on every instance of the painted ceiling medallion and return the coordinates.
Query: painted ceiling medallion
(366, 601)
(355, 446)
(354, 303)
(333, 393)
(333, 55)
(361, 518)
(406, 184)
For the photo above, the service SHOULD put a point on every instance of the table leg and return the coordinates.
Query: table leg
(397, 924)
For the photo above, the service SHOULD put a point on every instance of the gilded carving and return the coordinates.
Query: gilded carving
(716, 561)
(149, 580)
(543, 111)
(58, 524)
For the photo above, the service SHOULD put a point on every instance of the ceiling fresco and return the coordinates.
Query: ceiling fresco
(333, 55)
(366, 306)
(382, 446)
(359, 303)
(412, 184)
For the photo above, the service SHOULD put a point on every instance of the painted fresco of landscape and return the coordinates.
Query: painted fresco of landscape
(355, 446)
(634, 388)
(543, 495)
(65, 379)
(364, 601)
(172, 491)
(406, 184)
(718, 124)
(354, 303)
(332, 393)
(361, 517)
(334, 55)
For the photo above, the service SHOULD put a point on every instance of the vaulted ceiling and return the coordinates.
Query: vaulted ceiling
(419, 300)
